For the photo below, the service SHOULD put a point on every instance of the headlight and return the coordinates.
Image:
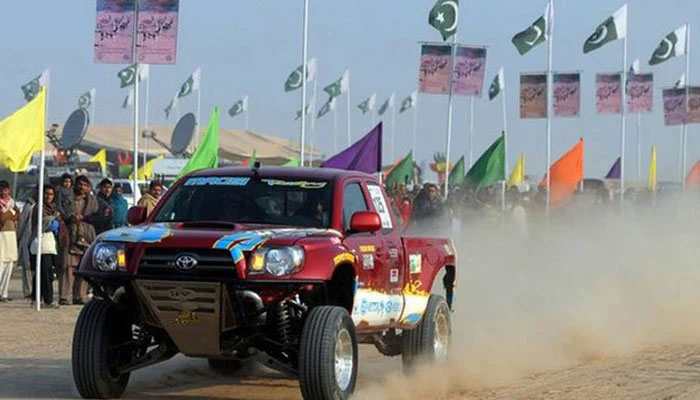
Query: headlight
(277, 261)
(107, 257)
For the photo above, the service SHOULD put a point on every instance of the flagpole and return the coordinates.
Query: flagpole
(449, 116)
(335, 130)
(199, 105)
(471, 131)
(247, 111)
(348, 107)
(687, 105)
(623, 126)
(415, 126)
(313, 120)
(639, 147)
(393, 125)
(145, 124)
(40, 205)
(136, 112)
(550, 45)
(305, 34)
(505, 123)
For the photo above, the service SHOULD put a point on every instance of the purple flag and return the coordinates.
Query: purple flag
(640, 93)
(114, 31)
(608, 93)
(614, 172)
(156, 42)
(364, 155)
(470, 63)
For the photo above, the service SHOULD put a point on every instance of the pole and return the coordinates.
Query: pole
(135, 185)
(687, 98)
(680, 156)
(348, 107)
(415, 126)
(471, 132)
(449, 117)
(393, 126)
(199, 106)
(40, 209)
(305, 34)
(247, 112)
(550, 43)
(335, 130)
(313, 120)
(145, 124)
(639, 147)
(623, 125)
(505, 122)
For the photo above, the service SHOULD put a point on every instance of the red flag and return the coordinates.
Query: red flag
(567, 172)
(692, 181)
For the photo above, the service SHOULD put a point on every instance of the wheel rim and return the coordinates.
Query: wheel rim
(343, 359)
(442, 334)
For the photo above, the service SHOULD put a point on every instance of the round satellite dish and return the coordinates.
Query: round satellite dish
(182, 134)
(74, 129)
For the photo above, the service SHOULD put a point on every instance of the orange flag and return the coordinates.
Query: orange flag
(567, 172)
(692, 181)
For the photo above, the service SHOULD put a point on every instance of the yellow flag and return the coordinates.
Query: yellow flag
(146, 172)
(518, 173)
(652, 169)
(100, 157)
(22, 134)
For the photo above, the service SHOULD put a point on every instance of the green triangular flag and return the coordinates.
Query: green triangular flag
(207, 154)
(402, 173)
(613, 28)
(456, 177)
(490, 167)
(294, 162)
(444, 16)
(252, 159)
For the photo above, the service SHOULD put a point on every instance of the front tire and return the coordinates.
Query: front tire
(429, 342)
(328, 355)
(100, 326)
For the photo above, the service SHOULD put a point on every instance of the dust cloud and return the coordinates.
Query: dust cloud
(586, 286)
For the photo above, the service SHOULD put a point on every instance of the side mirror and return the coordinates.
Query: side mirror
(136, 215)
(365, 221)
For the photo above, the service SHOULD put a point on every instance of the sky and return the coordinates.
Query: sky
(249, 47)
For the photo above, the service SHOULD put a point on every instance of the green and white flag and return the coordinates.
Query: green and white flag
(85, 100)
(129, 100)
(32, 88)
(144, 72)
(191, 84)
(537, 33)
(239, 107)
(169, 108)
(368, 105)
(388, 103)
(497, 84)
(328, 107)
(444, 16)
(680, 82)
(340, 86)
(409, 102)
(635, 68)
(294, 81)
(127, 76)
(309, 107)
(613, 28)
(673, 45)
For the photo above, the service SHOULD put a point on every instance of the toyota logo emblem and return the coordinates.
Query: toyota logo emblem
(185, 262)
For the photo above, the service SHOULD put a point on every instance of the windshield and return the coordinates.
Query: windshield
(246, 200)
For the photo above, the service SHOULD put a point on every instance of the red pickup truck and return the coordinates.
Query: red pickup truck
(294, 266)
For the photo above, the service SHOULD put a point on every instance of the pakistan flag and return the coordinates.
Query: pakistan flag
(673, 45)
(497, 85)
(444, 16)
(536, 33)
(613, 28)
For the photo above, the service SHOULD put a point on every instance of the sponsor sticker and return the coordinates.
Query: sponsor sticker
(394, 252)
(218, 181)
(367, 248)
(186, 318)
(394, 275)
(375, 192)
(300, 184)
(368, 262)
(342, 257)
(415, 263)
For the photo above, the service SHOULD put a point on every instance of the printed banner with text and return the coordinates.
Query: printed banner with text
(470, 65)
(435, 66)
(533, 95)
(694, 105)
(114, 31)
(567, 94)
(156, 42)
(675, 112)
(608, 93)
(640, 93)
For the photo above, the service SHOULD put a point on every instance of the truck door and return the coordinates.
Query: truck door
(373, 304)
(392, 254)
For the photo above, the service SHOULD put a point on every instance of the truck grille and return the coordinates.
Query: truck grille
(181, 296)
(210, 262)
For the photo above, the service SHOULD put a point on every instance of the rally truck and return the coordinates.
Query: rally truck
(293, 267)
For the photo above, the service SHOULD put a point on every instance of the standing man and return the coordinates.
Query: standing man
(24, 240)
(81, 235)
(150, 198)
(102, 219)
(119, 206)
(9, 216)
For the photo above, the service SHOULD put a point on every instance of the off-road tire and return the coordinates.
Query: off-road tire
(419, 343)
(225, 366)
(324, 329)
(99, 326)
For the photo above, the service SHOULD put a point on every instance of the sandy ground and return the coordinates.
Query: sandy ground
(35, 364)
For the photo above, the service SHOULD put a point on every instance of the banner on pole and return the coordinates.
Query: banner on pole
(675, 112)
(567, 94)
(533, 95)
(114, 31)
(694, 105)
(156, 41)
(608, 93)
(435, 66)
(470, 66)
(640, 93)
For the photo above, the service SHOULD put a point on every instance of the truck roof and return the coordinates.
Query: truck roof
(284, 172)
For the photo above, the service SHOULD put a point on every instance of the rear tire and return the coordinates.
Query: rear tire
(225, 366)
(328, 355)
(100, 326)
(429, 342)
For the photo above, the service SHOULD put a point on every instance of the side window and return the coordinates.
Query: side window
(353, 201)
(380, 205)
